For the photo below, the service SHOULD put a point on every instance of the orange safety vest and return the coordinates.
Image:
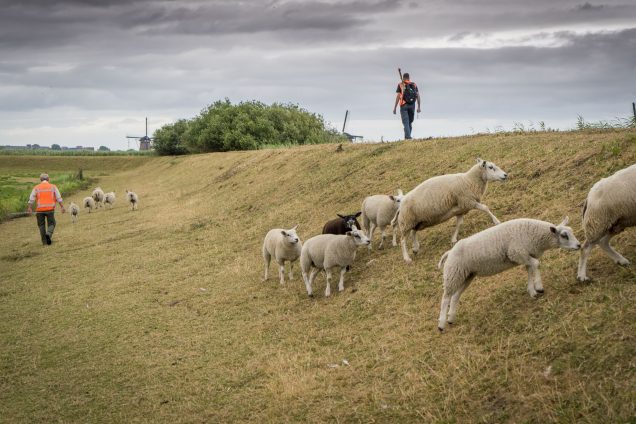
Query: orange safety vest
(45, 197)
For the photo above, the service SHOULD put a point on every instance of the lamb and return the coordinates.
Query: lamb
(89, 203)
(98, 197)
(496, 249)
(109, 199)
(283, 245)
(74, 210)
(133, 199)
(328, 251)
(610, 207)
(377, 212)
(438, 199)
(342, 224)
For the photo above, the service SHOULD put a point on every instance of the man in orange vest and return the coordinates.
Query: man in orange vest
(407, 95)
(47, 196)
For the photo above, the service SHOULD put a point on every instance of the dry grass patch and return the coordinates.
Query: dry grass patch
(160, 314)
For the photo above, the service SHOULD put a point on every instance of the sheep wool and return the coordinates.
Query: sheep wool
(284, 246)
(378, 211)
(89, 203)
(74, 212)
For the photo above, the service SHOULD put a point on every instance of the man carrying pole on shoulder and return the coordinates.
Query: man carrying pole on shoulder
(407, 95)
(47, 196)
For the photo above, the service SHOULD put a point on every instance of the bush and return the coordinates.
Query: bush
(247, 126)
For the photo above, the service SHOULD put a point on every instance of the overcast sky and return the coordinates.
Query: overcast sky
(88, 71)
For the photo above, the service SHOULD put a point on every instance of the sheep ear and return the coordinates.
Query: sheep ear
(483, 164)
(349, 234)
(358, 214)
(283, 232)
(565, 221)
(295, 226)
(340, 216)
(478, 160)
(392, 197)
(553, 229)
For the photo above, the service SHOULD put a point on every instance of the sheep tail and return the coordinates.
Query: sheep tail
(443, 259)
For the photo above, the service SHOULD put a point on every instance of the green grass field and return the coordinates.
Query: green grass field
(160, 315)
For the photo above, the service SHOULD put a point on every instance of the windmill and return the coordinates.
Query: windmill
(351, 137)
(145, 142)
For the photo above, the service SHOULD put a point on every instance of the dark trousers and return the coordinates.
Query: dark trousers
(407, 112)
(50, 220)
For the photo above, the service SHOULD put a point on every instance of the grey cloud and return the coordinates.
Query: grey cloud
(588, 7)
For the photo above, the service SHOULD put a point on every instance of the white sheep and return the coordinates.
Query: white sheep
(109, 199)
(610, 207)
(74, 211)
(378, 212)
(283, 245)
(328, 251)
(98, 197)
(133, 199)
(440, 198)
(89, 203)
(496, 249)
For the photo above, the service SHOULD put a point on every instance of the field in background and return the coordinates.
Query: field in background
(160, 314)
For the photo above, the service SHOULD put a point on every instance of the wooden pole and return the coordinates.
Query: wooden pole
(634, 110)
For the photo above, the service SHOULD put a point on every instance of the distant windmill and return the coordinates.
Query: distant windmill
(351, 137)
(145, 142)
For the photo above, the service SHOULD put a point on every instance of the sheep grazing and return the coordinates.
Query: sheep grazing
(489, 252)
(133, 199)
(74, 211)
(440, 198)
(342, 224)
(610, 207)
(98, 197)
(109, 199)
(377, 212)
(328, 251)
(89, 203)
(283, 245)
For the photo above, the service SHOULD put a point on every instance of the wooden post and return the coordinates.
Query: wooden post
(634, 110)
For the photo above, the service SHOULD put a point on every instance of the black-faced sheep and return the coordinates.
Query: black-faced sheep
(342, 224)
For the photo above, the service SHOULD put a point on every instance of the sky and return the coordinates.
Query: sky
(87, 72)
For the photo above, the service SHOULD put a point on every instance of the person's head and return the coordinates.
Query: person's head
(406, 76)
(44, 177)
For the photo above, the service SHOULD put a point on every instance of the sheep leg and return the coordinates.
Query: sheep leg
(328, 288)
(484, 208)
(281, 272)
(585, 253)
(405, 253)
(534, 277)
(291, 270)
(455, 299)
(459, 220)
(416, 243)
(267, 257)
(309, 280)
(613, 254)
(383, 237)
(371, 228)
(343, 271)
(394, 231)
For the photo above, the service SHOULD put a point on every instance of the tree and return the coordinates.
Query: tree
(56, 147)
(103, 149)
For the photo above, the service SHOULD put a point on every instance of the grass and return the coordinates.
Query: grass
(47, 152)
(159, 315)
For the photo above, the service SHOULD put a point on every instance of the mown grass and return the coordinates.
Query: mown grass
(47, 152)
(160, 315)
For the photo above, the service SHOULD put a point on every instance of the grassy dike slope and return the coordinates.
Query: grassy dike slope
(160, 315)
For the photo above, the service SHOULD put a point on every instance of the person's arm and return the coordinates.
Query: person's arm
(397, 100)
(31, 200)
(58, 198)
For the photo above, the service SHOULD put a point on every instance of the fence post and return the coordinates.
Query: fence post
(634, 110)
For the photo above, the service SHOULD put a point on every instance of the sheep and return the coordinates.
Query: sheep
(133, 199)
(489, 252)
(610, 207)
(98, 197)
(378, 211)
(328, 251)
(74, 210)
(283, 245)
(109, 199)
(342, 224)
(89, 203)
(438, 199)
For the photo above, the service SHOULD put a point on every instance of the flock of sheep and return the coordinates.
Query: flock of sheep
(610, 207)
(100, 199)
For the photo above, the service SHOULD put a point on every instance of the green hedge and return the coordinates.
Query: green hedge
(223, 126)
